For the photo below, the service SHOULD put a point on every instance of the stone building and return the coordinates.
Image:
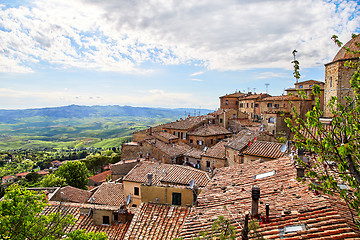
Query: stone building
(307, 87)
(231, 101)
(207, 135)
(251, 105)
(337, 76)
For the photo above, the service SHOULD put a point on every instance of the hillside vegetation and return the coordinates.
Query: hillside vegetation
(79, 126)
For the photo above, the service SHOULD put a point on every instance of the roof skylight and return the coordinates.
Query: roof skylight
(264, 175)
(291, 229)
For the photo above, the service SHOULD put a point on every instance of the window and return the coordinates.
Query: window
(136, 191)
(212, 141)
(241, 105)
(247, 105)
(200, 142)
(116, 217)
(182, 135)
(220, 120)
(237, 102)
(252, 105)
(284, 105)
(310, 85)
(269, 105)
(271, 120)
(207, 164)
(191, 141)
(234, 115)
(291, 229)
(256, 105)
(106, 220)
(330, 81)
(226, 102)
(301, 86)
(176, 198)
(276, 105)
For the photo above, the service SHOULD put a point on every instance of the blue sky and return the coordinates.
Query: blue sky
(162, 53)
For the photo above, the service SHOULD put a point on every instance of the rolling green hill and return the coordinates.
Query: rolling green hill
(79, 126)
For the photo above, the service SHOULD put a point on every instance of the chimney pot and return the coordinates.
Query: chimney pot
(300, 172)
(149, 177)
(255, 195)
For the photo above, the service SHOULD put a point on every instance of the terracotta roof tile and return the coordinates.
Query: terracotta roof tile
(85, 222)
(242, 139)
(234, 95)
(155, 221)
(344, 55)
(209, 130)
(309, 81)
(264, 149)
(165, 135)
(194, 153)
(257, 96)
(172, 150)
(216, 151)
(101, 177)
(8, 177)
(291, 203)
(186, 124)
(282, 98)
(109, 193)
(175, 174)
(72, 194)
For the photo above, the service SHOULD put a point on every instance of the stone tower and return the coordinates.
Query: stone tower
(337, 76)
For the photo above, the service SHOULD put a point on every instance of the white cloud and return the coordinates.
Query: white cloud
(120, 35)
(11, 98)
(265, 75)
(197, 73)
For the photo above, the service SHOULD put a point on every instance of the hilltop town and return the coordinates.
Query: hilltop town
(175, 179)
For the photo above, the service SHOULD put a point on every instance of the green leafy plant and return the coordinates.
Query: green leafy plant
(336, 148)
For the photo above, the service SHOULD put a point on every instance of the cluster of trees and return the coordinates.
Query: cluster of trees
(21, 218)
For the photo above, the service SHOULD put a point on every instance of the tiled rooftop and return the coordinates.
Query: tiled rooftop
(282, 98)
(155, 221)
(186, 124)
(101, 177)
(234, 95)
(172, 150)
(309, 81)
(256, 96)
(167, 173)
(109, 193)
(72, 194)
(242, 139)
(209, 130)
(264, 149)
(216, 151)
(291, 203)
(194, 153)
(85, 222)
(165, 135)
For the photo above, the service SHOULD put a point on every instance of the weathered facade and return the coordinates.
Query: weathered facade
(337, 76)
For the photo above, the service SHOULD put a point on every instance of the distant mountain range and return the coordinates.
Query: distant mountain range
(77, 111)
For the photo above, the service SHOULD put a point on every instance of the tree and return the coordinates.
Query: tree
(52, 180)
(20, 216)
(336, 148)
(75, 173)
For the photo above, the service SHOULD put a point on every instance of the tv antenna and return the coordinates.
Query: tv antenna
(192, 183)
(128, 199)
(254, 90)
(267, 86)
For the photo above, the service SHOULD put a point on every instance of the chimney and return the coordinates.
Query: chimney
(255, 195)
(149, 177)
(300, 171)
(267, 210)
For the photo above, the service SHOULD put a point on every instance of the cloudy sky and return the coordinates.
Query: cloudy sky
(162, 53)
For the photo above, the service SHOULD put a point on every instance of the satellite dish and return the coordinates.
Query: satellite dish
(192, 182)
(283, 148)
(128, 199)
